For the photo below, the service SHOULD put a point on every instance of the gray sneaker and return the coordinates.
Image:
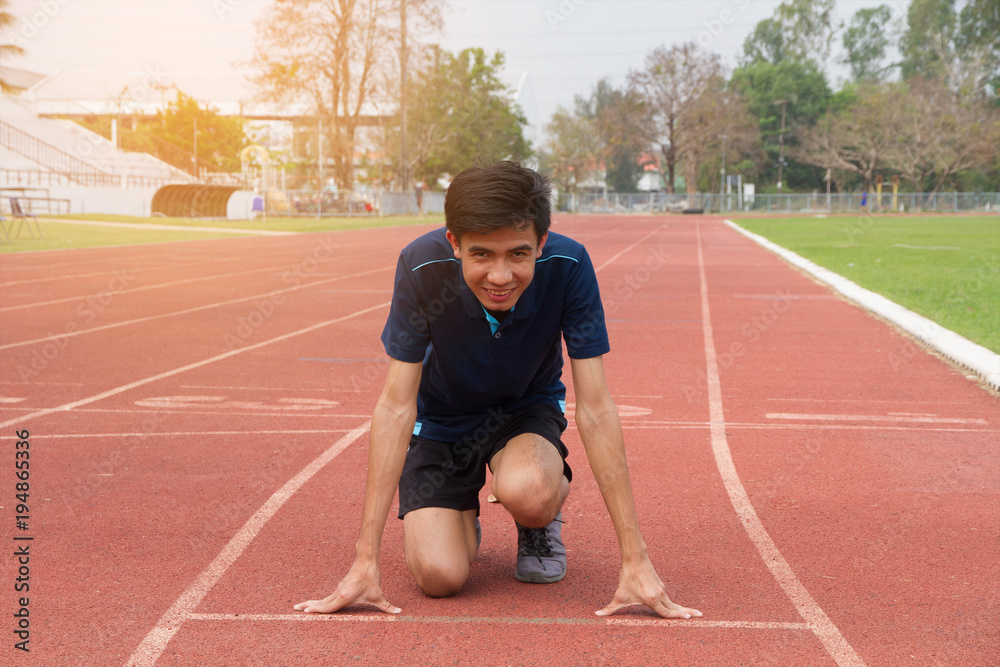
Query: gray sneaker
(541, 556)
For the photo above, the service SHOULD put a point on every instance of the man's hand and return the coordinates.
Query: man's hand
(639, 584)
(362, 584)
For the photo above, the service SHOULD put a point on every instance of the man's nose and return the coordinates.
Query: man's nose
(499, 273)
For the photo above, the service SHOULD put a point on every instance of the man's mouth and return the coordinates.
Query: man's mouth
(498, 295)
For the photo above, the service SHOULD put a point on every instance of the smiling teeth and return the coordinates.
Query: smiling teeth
(498, 292)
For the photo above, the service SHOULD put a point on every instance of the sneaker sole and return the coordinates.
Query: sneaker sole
(537, 578)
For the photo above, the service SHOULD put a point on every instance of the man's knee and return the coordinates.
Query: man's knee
(438, 578)
(530, 495)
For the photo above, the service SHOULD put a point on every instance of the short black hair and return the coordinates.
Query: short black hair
(483, 199)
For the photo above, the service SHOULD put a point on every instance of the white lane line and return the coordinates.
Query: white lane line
(805, 427)
(699, 623)
(182, 369)
(174, 434)
(144, 288)
(218, 304)
(505, 620)
(223, 386)
(380, 617)
(150, 649)
(660, 228)
(243, 414)
(170, 228)
(818, 621)
(875, 418)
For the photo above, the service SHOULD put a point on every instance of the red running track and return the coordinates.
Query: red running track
(825, 492)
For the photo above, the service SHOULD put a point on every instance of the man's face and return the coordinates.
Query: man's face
(498, 266)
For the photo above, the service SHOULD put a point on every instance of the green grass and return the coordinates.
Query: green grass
(62, 236)
(953, 277)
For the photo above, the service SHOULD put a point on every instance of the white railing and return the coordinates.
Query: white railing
(661, 202)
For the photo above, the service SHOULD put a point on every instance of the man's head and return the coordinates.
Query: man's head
(498, 219)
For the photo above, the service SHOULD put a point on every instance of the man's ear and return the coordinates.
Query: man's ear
(541, 244)
(453, 240)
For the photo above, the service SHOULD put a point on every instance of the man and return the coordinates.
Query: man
(474, 334)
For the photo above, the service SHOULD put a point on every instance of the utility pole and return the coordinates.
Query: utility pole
(402, 101)
(725, 185)
(781, 143)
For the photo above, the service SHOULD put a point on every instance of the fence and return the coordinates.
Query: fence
(310, 203)
(37, 177)
(661, 202)
(34, 205)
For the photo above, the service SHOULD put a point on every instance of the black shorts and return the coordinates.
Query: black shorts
(441, 474)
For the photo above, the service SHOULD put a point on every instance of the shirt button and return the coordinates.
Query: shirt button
(496, 335)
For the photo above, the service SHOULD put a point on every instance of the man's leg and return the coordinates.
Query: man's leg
(440, 546)
(528, 479)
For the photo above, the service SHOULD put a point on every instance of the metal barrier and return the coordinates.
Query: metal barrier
(34, 205)
(662, 202)
(344, 203)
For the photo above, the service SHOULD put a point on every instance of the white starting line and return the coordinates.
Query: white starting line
(382, 617)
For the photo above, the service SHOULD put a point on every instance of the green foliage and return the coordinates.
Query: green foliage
(766, 44)
(461, 112)
(762, 85)
(798, 30)
(573, 150)
(951, 278)
(979, 35)
(928, 37)
(620, 118)
(866, 40)
(220, 139)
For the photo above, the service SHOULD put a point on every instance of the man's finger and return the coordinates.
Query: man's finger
(613, 607)
(669, 611)
(388, 607)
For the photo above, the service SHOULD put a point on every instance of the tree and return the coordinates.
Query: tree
(866, 41)
(928, 39)
(856, 139)
(801, 83)
(7, 21)
(336, 54)
(977, 42)
(220, 138)
(670, 83)
(460, 112)
(765, 44)
(716, 112)
(573, 149)
(942, 134)
(798, 30)
(621, 121)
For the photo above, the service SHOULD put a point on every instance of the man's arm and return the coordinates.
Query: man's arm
(601, 432)
(392, 424)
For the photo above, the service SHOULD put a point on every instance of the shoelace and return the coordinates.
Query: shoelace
(536, 543)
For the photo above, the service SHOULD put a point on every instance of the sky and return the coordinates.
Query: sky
(94, 48)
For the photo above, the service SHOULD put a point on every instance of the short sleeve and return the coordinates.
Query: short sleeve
(583, 325)
(407, 332)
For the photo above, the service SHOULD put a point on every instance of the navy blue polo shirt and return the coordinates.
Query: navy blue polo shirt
(470, 367)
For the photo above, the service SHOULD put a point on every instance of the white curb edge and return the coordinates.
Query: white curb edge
(983, 362)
